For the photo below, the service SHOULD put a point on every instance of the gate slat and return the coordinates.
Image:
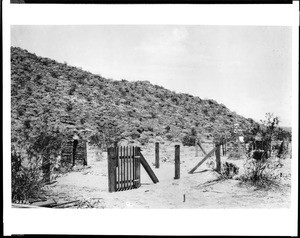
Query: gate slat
(130, 155)
(133, 166)
(118, 170)
(127, 181)
(125, 167)
(124, 159)
(123, 170)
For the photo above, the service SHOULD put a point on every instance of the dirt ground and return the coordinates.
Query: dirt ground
(89, 184)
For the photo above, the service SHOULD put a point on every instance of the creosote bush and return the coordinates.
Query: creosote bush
(260, 170)
(188, 140)
(229, 170)
(261, 166)
(26, 180)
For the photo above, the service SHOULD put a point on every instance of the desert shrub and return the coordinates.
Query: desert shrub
(82, 120)
(33, 151)
(72, 89)
(281, 150)
(54, 74)
(262, 166)
(169, 136)
(261, 170)
(26, 181)
(167, 128)
(188, 140)
(145, 136)
(69, 107)
(135, 134)
(144, 139)
(38, 79)
(96, 139)
(229, 170)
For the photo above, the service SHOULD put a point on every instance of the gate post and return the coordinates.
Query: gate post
(177, 162)
(137, 167)
(111, 169)
(156, 154)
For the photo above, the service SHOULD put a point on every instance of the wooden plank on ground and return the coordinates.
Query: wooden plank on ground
(17, 205)
(47, 203)
(148, 168)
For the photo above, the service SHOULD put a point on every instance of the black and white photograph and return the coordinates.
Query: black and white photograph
(191, 117)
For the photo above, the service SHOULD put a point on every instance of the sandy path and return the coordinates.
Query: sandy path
(91, 184)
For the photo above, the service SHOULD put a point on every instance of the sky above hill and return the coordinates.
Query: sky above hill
(246, 68)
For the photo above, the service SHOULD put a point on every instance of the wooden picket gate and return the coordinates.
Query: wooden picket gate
(123, 168)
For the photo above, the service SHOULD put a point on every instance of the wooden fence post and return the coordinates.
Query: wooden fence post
(177, 162)
(85, 153)
(196, 148)
(156, 154)
(111, 169)
(218, 158)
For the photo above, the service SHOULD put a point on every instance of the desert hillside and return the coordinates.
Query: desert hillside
(51, 97)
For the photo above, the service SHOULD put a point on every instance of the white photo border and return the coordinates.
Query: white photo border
(148, 221)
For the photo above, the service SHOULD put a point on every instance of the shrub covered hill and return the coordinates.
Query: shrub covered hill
(52, 100)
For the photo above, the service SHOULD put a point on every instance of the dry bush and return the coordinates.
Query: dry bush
(26, 181)
(262, 166)
(260, 170)
(229, 170)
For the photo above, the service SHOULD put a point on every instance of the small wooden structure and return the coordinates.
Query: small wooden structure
(124, 168)
(74, 151)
